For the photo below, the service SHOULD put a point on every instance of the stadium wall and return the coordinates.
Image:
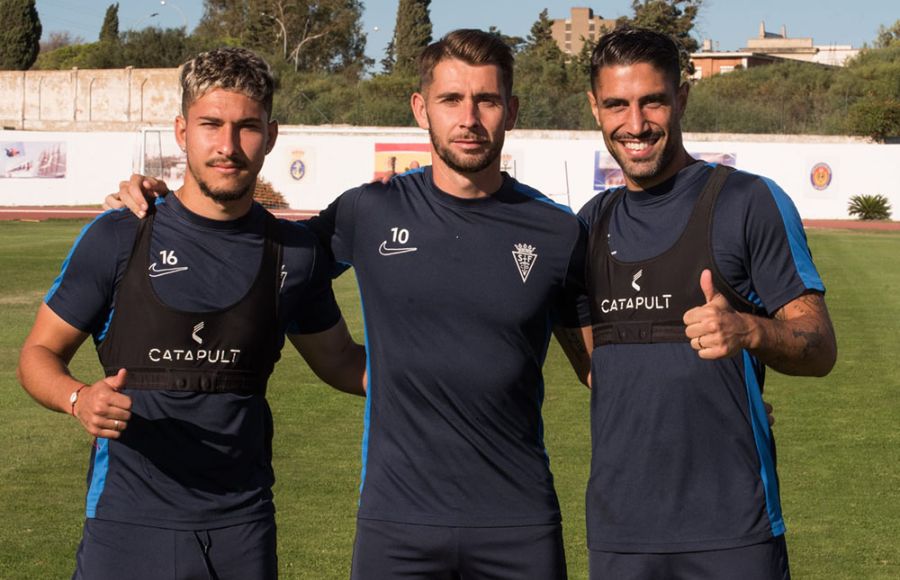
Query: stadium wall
(310, 166)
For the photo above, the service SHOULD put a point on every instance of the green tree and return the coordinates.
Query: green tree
(223, 19)
(581, 63)
(516, 43)
(888, 36)
(148, 48)
(153, 47)
(20, 37)
(109, 32)
(58, 40)
(62, 58)
(312, 35)
(383, 100)
(550, 98)
(412, 33)
(540, 40)
(672, 17)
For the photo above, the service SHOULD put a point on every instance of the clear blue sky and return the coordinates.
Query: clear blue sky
(728, 22)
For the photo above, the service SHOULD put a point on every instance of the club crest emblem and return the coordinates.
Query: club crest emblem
(525, 258)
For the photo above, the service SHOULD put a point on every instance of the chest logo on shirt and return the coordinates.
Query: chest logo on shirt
(169, 259)
(195, 335)
(613, 304)
(525, 257)
(399, 237)
(224, 356)
(635, 278)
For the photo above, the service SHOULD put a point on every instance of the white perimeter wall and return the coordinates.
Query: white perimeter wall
(559, 163)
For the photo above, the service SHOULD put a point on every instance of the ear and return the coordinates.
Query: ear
(512, 112)
(417, 102)
(272, 136)
(181, 132)
(595, 107)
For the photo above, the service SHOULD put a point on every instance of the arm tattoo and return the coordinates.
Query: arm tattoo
(802, 336)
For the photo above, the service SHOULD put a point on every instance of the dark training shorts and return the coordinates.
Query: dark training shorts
(113, 550)
(765, 561)
(416, 552)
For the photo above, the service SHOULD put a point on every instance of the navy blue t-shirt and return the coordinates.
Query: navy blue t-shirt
(459, 297)
(683, 458)
(210, 461)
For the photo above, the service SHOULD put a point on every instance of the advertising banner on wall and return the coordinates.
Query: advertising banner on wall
(608, 174)
(395, 158)
(33, 159)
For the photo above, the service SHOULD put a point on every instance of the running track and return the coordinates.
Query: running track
(41, 213)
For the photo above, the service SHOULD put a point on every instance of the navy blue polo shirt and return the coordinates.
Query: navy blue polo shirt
(459, 298)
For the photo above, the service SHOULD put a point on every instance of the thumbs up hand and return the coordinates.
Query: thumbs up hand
(716, 330)
(103, 410)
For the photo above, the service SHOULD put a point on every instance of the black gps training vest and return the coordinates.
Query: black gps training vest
(644, 302)
(231, 350)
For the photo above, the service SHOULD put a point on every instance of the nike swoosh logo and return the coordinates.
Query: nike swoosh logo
(156, 272)
(384, 250)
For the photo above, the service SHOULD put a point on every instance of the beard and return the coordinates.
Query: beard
(222, 195)
(647, 168)
(467, 163)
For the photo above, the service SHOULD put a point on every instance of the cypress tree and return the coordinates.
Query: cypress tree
(110, 29)
(412, 33)
(20, 37)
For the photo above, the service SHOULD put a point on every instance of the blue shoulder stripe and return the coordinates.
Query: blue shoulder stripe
(796, 237)
(65, 263)
(408, 172)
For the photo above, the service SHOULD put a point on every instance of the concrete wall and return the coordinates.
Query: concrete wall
(101, 100)
(559, 163)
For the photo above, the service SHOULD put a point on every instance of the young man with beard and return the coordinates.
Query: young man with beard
(705, 273)
(463, 274)
(188, 310)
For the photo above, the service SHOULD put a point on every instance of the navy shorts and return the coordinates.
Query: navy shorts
(389, 551)
(114, 550)
(765, 561)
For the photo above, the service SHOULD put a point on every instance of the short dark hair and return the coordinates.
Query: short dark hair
(472, 46)
(629, 45)
(230, 68)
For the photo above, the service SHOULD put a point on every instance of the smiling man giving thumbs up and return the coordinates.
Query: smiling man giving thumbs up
(688, 259)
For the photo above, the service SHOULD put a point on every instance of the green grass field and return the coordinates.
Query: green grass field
(839, 437)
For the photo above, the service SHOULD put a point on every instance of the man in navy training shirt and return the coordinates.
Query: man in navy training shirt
(188, 310)
(699, 278)
(463, 274)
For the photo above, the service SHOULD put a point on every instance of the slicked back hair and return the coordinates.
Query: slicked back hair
(473, 47)
(629, 45)
(230, 68)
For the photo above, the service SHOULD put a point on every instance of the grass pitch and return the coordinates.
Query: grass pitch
(839, 437)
